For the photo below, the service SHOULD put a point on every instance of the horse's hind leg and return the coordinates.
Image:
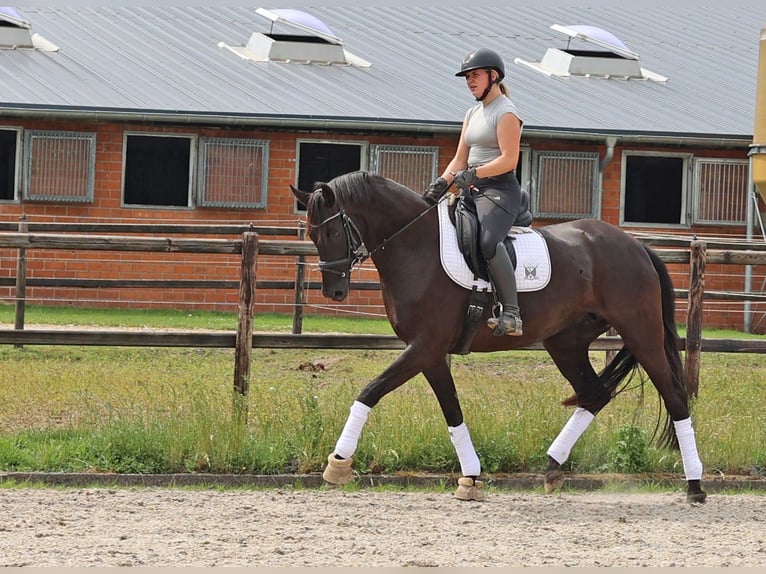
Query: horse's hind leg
(569, 351)
(443, 385)
(666, 373)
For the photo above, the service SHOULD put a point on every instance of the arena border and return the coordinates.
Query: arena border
(512, 482)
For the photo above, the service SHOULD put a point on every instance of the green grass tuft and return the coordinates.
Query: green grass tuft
(155, 410)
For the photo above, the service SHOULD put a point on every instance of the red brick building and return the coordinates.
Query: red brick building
(208, 115)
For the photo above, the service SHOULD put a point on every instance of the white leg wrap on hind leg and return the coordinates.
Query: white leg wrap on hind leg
(689, 455)
(569, 435)
(349, 437)
(466, 454)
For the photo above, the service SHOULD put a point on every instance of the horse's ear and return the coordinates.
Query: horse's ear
(327, 194)
(302, 196)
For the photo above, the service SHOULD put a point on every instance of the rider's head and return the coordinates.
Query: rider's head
(487, 61)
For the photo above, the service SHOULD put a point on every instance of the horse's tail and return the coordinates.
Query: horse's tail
(616, 376)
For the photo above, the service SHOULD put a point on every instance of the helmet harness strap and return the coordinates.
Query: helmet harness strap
(489, 85)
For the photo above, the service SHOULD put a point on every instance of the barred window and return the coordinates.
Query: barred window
(60, 166)
(412, 166)
(721, 191)
(9, 154)
(566, 185)
(233, 172)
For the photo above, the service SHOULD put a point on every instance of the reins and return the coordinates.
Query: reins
(389, 239)
(357, 252)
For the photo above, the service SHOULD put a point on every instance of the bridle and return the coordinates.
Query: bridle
(356, 250)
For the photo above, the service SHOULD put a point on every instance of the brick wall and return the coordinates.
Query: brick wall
(106, 207)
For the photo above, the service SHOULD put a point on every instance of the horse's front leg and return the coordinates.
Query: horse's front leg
(443, 385)
(407, 365)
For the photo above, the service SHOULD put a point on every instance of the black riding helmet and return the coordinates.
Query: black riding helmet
(483, 58)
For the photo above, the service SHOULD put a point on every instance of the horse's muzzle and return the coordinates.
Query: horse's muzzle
(335, 294)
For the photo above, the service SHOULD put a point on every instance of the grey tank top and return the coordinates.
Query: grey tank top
(481, 129)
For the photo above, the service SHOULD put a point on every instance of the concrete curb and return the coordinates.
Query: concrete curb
(505, 482)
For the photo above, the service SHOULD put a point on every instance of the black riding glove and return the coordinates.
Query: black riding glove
(465, 179)
(435, 190)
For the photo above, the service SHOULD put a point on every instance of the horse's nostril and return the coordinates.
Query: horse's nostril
(339, 295)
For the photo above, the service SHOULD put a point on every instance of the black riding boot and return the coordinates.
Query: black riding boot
(503, 278)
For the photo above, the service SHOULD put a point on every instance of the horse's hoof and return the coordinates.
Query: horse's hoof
(469, 489)
(694, 492)
(553, 480)
(696, 497)
(338, 471)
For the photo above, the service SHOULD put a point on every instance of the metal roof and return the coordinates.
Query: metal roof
(172, 62)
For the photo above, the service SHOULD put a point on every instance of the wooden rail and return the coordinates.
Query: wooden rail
(250, 246)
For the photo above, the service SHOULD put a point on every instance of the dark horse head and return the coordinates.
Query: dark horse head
(338, 235)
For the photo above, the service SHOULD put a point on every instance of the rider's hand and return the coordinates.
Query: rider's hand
(466, 178)
(435, 190)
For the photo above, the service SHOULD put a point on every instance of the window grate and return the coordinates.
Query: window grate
(60, 166)
(412, 166)
(233, 172)
(721, 191)
(566, 186)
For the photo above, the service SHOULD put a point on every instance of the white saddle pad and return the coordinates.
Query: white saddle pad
(533, 268)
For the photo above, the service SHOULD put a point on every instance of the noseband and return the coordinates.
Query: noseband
(356, 251)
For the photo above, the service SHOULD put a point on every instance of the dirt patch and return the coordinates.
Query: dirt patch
(324, 527)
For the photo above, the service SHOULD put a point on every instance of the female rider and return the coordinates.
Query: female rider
(484, 165)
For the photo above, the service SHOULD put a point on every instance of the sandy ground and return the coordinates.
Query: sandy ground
(161, 527)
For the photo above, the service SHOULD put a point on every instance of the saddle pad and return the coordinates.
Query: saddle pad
(533, 268)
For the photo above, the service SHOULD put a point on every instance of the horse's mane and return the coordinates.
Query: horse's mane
(359, 187)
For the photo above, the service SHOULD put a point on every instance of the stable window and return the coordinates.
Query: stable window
(654, 188)
(9, 145)
(566, 185)
(721, 191)
(322, 161)
(158, 170)
(233, 173)
(59, 166)
(523, 167)
(412, 166)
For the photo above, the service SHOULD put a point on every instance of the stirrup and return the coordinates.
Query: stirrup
(508, 323)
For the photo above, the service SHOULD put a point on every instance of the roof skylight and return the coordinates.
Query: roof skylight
(316, 44)
(300, 21)
(613, 60)
(16, 32)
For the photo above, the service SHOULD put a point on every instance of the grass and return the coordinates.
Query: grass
(178, 319)
(155, 410)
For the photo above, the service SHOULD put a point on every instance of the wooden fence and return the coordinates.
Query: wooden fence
(250, 246)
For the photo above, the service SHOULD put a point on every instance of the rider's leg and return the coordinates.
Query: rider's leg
(504, 280)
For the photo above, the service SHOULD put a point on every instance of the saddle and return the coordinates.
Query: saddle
(462, 214)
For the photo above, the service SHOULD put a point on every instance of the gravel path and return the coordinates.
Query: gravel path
(163, 527)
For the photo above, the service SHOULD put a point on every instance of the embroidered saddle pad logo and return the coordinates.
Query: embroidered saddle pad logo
(533, 268)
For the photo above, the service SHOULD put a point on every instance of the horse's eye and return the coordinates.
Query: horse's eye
(334, 234)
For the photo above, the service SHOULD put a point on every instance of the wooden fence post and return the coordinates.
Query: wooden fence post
(697, 260)
(300, 290)
(610, 354)
(244, 340)
(21, 282)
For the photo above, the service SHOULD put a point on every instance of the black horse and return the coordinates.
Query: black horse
(601, 278)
